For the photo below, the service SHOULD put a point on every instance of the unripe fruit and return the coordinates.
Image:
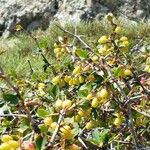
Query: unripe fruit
(58, 104)
(147, 68)
(94, 58)
(66, 132)
(76, 81)
(109, 17)
(84, 113)
(95, 103)
(71, 82)
(89, 125)
(103, 94)
(57, 50)
(118, 30)
(77, 70)
(54, 125)
(40, 92)
(5, 146)
(41, 85)
(48, 121)
(77, 118)
(56, 80)
(81, 79)
(104, 39)
(13, 144)
(67, 78)
(118, 122)
(102, 50)
(66, 104)
(123, 38)
(89, 96)
(59, 54)
(63, 50)
(73, 147)
(56, 45)
(6, 138)
(125, 43)
(127, 72)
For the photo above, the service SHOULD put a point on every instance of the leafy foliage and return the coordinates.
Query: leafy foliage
(83, 97)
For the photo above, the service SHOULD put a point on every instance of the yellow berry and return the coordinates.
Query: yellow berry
(123, 38)
(89, 96)
(127, 72)
(13, 144)
(58, 104)
(147, 68)
(56, 80)
(71, 82)
(48, 121)
(76, 81)
(77, 118)
(94, 58)
(41, 85)
(95, 103)
(89, 125)
(125, 43)
(118, 30)
(73, 147)
(81, 79)
(40, 92)
(66, 132)
(103, 94)
(6, 138)
(104, 39)
(57, 50)
(118, 122)
(77, 70)
(66, 104)
(5, 146)
(53, 125)
(67, 78)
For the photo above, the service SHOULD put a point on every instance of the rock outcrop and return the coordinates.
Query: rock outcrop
(32, 14)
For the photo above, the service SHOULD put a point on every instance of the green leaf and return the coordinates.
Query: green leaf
(82, 53)
(100, 138)
(41, 142)
(43, 128)
(11, 98)
(54, 91)
(118, 72)
(42, 113)
(84, 104)
(82, 93)
(87, 86)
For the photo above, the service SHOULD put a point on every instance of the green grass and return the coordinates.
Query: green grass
(20, 48)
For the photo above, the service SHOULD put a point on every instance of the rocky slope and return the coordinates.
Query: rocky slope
(32, 14)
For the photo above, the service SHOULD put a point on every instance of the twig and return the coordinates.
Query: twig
(129, 112)
(77, 37)
(82, 142)
(61, 116)
(13, 115)
(141, 112)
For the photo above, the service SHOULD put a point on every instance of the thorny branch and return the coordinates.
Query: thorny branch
(16, 90)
